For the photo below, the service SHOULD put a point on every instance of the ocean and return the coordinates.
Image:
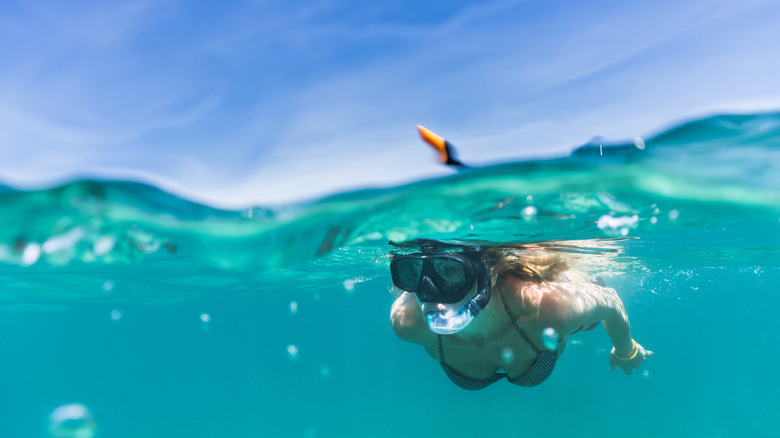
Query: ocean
(126, 311)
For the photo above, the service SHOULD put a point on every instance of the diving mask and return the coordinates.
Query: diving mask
(451, 287)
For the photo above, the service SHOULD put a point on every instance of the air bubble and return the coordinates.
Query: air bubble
(103, 245)
(673, 215)
(292, 351)
(205, 322)
(31, 253)
(107, 286)
(71, 421)
(349, 286)
(507, 355)
(116, 314)
(293, 307)
(639, 142)
(529, 212)
(550, 338)
(64, 241)
(325, 372)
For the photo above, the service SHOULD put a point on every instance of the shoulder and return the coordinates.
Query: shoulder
(523, 297)
(537, 303)
(407, 320)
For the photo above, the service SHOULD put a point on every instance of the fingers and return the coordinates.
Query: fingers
(626, 369)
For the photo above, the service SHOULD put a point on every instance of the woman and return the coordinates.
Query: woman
(479, 311)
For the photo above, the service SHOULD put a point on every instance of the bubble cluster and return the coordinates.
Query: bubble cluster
(619, 224)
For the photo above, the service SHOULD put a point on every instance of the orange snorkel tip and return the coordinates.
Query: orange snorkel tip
(436, 141)
(443, 147)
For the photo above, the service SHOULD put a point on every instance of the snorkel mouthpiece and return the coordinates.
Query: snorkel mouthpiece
(449, 321)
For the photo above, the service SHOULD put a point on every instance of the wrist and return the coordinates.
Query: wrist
(628, 354)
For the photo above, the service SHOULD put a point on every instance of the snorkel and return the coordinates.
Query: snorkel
(446, 319)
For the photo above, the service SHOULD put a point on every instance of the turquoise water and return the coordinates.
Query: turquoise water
(167, 318)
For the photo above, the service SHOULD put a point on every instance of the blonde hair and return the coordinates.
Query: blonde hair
(531, 265)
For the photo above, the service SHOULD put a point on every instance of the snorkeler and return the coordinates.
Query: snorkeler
(488, 313)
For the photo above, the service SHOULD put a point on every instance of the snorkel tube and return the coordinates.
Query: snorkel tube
(446, 319)
(443, 147)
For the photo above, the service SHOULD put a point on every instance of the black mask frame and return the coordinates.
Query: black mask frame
(442, 277)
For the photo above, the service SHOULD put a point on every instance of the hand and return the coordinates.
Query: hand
(628, 364)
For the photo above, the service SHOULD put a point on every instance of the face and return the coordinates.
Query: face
(452, 288)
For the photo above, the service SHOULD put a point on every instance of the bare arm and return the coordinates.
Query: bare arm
(570, 306)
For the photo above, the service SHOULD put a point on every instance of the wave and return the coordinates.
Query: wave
(714, 172)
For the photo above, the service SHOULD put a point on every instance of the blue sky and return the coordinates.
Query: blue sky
(237, 103)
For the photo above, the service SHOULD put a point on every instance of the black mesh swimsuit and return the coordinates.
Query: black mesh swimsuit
(538, 373)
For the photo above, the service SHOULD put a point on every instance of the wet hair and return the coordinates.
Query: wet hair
(531, 265)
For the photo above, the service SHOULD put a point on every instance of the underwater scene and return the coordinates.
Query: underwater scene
(126, 311)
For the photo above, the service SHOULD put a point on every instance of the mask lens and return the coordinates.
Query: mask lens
(407, 273)
(451, 272)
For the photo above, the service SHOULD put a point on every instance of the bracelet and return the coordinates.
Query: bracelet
(627, 358)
